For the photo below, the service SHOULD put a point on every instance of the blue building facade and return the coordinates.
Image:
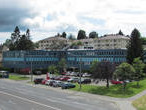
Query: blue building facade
(40, 59)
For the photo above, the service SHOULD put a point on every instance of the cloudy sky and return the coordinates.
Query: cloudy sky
(45, 18)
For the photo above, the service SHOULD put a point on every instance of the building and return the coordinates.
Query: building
(112, 41)
(52, 43)
(86, 43)
(40, 59)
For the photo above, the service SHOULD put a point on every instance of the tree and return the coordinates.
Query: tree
(15, 36)
(120, 33)
(143, 40)
(93, 35)
(103, 70)
(25, 44)
(53, 69)
(144, 70)
(71, 37)
(19, 42)
(28, 34)
(81, 34)
(63, 35)
(138, 66)
(93, 66)
(134, 48)
(124, 72)
(62, 65)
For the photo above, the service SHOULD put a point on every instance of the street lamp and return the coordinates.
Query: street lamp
(31, 72)
(80, 73)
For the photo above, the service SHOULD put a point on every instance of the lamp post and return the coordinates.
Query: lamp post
(31, 72)
(80, 73)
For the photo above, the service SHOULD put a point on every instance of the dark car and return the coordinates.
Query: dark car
(67, 85)
(85, 81)
(38, 80)
(37, 72)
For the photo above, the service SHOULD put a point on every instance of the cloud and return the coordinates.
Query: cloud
(48, 17)
(14, 12)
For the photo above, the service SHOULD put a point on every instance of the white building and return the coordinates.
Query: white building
(112, 41)
(52, 43)
(86, 43)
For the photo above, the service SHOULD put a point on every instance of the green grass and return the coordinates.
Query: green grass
(18, 77)
(29, 82)
(114, 90)
(140, 103)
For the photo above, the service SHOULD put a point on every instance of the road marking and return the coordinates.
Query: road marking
(25, 99)
(51, 100)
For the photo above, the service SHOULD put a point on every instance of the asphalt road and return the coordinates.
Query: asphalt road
(19, 96)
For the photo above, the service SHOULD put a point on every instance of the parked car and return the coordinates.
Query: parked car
(37, 72)
(64, 73)
(85, 81)
(57, 84)
(68, 85)
(38, 80)
(79, 74)
(73, 80)
(44, 81)
(86, 75)
(64, 78)
(58, 77)
(73, 74)
(50, 82)
(116, 82)
(68, 73)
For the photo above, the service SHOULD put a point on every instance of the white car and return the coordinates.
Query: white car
(86, 75)
(73, 80)
(48, 82)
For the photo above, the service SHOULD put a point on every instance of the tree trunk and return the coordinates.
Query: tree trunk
(138, 84)
(107, 83)
(124, 86)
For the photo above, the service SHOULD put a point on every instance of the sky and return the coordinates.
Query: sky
(46, 18)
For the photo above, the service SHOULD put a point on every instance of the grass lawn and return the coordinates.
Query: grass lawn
(18, 77)
(114, 90)
(29, 82)
(140, 103)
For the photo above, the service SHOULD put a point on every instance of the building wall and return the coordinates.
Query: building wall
(111, 42)
(42, 59)
(52, 43)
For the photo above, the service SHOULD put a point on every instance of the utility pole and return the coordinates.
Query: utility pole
(80, 73)
(31, 72)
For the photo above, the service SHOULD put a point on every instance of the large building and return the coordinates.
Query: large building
(112, 41)
(109, 47)
(52, 43)
(42, 59)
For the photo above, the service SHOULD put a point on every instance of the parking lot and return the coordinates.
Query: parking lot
(66, 80)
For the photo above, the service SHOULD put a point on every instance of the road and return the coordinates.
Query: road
(18, 96)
